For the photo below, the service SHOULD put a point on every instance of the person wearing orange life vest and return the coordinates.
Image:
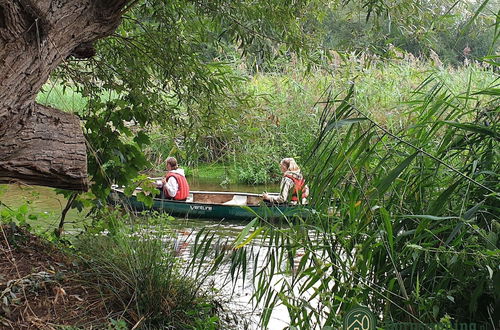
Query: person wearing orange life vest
(174, 184)
(292, 187)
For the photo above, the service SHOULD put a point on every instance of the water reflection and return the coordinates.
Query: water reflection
(237, 291)
(47, 203)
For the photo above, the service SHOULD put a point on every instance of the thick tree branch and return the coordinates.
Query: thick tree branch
(47, 148)
(40, 145)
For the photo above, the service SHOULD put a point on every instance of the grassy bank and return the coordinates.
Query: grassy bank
(121, 274)
(283, 118)
(140, 275)
(56, 95)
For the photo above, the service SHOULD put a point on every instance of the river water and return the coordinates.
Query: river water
(48, 205)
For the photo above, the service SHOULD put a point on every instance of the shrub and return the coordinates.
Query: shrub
(139, 277)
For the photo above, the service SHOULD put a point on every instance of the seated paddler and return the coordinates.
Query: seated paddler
(174, 185)
(293, 189)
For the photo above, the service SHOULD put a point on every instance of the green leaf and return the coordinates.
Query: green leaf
(343, 122)
(142, 139)
(439, 203)
(147, 200)
(244, 232)
(470, 212)
(426, 216)
(415, 246)
(454, 232)
(474, 128)
(388, 228)
(489, 91)
(5, 213)
(23, 209)
(250, 237)
(386, 182)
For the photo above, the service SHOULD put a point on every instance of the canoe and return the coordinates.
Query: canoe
(220, 205)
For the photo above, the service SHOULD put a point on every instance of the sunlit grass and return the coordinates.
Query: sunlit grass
(55, 95)
(64, 97)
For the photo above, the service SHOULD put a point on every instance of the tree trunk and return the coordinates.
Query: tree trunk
(41, 145)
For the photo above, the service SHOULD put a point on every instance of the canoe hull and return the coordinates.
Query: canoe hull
(209, 211)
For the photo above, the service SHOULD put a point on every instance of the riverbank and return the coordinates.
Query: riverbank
(40, 286)
(116, 281)
(41, 207)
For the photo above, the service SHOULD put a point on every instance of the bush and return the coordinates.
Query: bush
(139, 276)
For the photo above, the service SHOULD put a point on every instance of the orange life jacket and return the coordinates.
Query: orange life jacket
(183, 191)
(298, 185)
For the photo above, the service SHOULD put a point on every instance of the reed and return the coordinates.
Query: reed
(407, 218)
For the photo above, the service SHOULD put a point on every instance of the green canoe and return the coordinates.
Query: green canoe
(219, 205)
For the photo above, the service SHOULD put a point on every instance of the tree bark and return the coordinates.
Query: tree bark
(41, 145)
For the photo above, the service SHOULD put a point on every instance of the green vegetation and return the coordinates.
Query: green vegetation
(61, 97)
(408, 221)
(130, 265)
(218, 172)
(283, 118)
(455, 31)
(140, 277)
(396, 129)
(209, 84)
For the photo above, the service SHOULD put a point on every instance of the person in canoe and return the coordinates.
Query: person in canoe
(174, 185)
(293, 188)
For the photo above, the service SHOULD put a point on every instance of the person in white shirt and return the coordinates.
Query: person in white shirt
(174, 184)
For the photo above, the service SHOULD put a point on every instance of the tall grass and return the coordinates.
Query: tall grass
(61, 96)
(408, 218)
(284, 120)
(140, 277)
(273, 117)
(56, 95)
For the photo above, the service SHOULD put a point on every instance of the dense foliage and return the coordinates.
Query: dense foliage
(407, 219)
(404, 164)
(423, 28)
(136, 270)
(171, 65)
(175, 75)
(280, 114)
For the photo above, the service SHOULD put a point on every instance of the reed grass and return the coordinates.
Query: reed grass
(284, 120)
(278, 118)
(407, 220)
